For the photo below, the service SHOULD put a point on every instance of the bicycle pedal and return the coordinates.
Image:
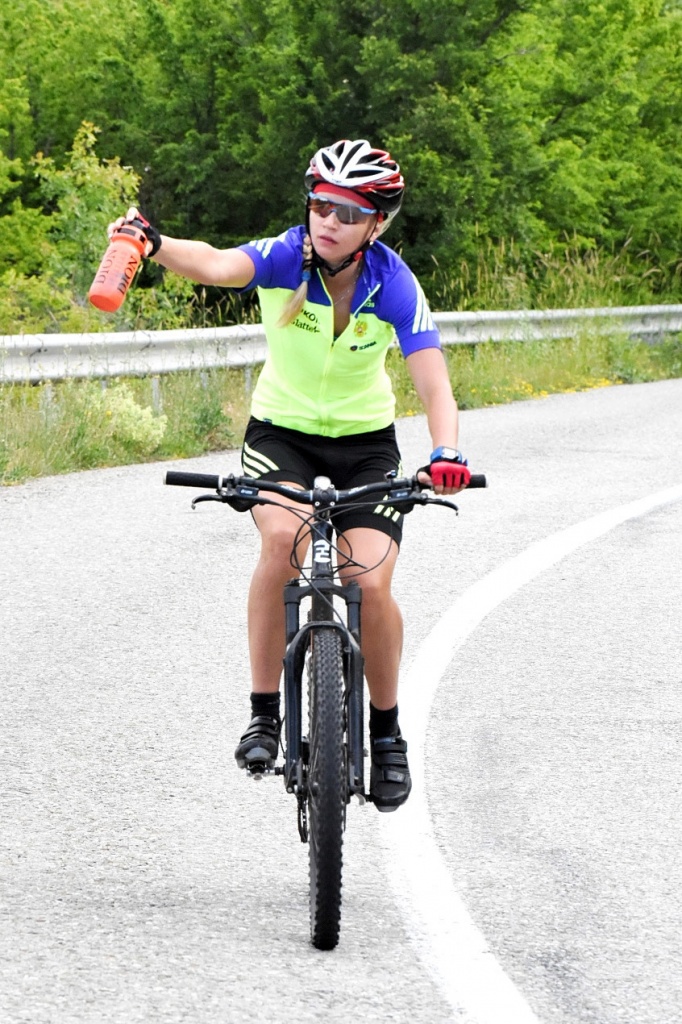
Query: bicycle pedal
(260, 771)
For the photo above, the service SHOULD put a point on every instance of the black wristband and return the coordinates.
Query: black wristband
(151, 234)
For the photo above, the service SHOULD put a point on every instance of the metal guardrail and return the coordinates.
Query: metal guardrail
(31, 358)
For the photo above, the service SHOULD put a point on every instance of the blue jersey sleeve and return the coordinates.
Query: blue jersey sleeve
(401, 301)
(277, 261)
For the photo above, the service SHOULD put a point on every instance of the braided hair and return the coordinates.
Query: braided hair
(298, 298)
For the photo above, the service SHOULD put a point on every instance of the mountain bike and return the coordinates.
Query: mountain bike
(324, 748)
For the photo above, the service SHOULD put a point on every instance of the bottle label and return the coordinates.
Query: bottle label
(104, 268)
(127, 275)
(114, 274)
(108, 269)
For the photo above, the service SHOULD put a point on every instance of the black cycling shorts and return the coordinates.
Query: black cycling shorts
(278, 453)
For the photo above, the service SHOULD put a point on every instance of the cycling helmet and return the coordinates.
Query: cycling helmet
(370, 173)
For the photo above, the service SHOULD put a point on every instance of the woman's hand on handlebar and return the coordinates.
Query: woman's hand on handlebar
(445, 476)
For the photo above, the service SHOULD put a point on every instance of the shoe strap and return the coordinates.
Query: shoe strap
(389, 744)
(260, 724)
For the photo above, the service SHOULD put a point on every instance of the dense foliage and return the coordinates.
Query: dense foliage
(530, 132)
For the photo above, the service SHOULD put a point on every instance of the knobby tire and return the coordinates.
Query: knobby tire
(326, 787)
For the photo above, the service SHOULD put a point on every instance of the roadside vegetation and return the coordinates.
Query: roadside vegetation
(75, 425)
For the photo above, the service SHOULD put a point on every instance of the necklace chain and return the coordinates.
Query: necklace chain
(349, 289)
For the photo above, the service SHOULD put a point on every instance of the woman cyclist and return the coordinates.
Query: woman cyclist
(333, 298)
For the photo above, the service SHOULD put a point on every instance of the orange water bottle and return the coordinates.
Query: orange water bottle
(118, 267)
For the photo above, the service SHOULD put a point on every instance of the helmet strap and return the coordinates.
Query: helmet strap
(353, 258)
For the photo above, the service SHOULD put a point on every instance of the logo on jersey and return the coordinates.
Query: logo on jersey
(307, 321)
(360, 330)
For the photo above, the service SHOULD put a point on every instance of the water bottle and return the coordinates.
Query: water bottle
(118, 267)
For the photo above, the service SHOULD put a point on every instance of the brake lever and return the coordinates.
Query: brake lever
(240, 502)
(443, 501)
(206, 497)
(405, 502)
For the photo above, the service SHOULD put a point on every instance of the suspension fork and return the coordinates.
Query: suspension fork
(354, 676)
(322, 589)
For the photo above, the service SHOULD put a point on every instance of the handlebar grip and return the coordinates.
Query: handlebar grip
(477, 480)
(207, 481)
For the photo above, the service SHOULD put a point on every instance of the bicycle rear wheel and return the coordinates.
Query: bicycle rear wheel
(326, 786)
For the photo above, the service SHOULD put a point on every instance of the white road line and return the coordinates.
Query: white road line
(448, 942)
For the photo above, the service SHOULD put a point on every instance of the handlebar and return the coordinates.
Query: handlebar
(244, 490)
(205, 480)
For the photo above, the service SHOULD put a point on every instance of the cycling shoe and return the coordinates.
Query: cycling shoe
(390, 781)
(259, 745)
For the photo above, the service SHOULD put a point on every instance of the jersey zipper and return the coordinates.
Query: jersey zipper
(324, 415)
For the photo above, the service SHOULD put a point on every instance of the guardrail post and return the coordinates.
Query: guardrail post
(157, 398)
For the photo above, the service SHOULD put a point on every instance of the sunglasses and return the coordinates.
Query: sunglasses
(347, 213)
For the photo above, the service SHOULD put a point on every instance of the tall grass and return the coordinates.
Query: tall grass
(74, 425)
(569, 276)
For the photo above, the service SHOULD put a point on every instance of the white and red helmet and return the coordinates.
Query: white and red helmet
(370, 173)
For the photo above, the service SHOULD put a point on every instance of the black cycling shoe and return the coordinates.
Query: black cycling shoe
(259, 745)
(390, 782)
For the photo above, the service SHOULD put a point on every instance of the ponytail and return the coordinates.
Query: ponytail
(298, 299)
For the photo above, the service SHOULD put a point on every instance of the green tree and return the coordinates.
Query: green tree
(48, 255)
(522, 126)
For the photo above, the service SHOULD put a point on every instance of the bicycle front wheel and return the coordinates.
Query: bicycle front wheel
(326, 786)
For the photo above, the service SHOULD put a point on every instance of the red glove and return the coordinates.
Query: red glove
(449, 473)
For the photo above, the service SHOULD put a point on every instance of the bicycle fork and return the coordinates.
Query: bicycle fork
(322, 589)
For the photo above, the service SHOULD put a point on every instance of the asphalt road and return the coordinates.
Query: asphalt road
(143, 879)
